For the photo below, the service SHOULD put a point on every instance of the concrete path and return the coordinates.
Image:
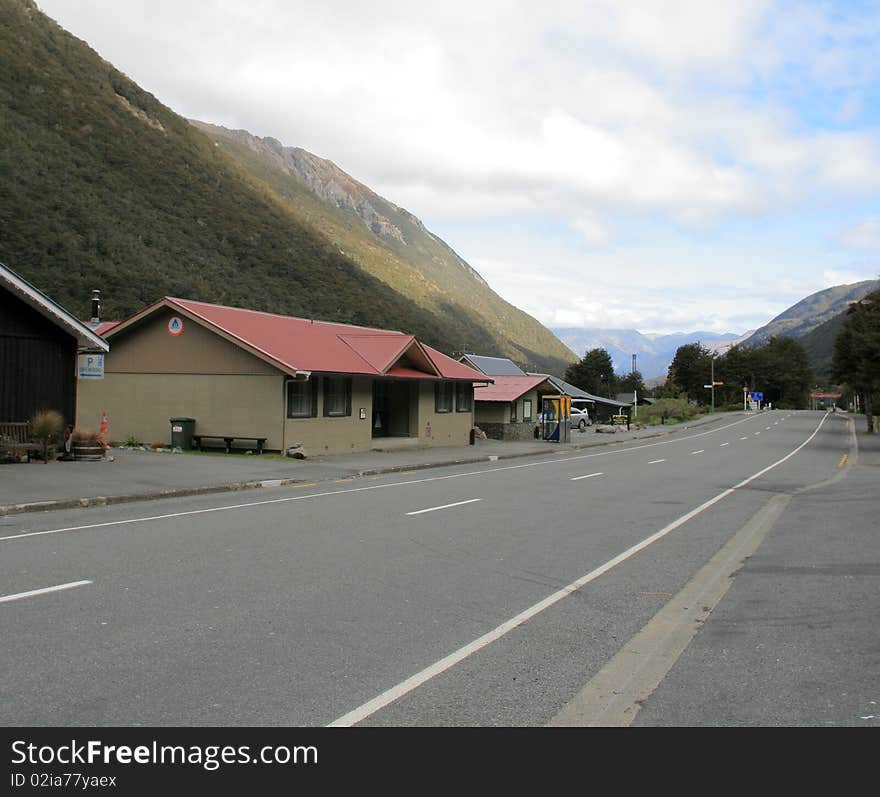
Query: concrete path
(134, 475)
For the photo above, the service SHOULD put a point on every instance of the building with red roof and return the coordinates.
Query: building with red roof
(507, 407)
(292, 382)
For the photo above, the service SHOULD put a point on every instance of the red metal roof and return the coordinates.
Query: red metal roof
(509, 388)
(105, 326)
(302, 344)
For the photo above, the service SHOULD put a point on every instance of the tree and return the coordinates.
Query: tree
(593, 373)
(784, 369)
(632, 382)
(690, 369)
(736, 368)
(857, 352)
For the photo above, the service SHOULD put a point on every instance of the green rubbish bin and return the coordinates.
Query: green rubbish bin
(182, 433)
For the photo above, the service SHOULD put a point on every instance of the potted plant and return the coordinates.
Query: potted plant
(45, 427)
(86, 444)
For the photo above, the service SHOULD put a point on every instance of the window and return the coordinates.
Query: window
(337, 396)
(443, 396)
(302, 399)
(513, 417)
(527, 409)
(464, 397)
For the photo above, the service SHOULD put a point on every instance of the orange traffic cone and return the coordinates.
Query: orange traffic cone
(103, 430)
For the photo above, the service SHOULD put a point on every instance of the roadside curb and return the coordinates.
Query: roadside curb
(99, 501)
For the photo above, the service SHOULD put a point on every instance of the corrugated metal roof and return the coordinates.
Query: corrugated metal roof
(301, 344)
(508, 388)
(104, 327)
(566, 388)
(494, 366)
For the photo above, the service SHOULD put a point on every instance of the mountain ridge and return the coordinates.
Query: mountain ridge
(387, 241)
(812, 311)
(103, 186)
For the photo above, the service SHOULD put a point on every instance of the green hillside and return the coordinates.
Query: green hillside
(815, 309)
(819, 345)
(102, 186)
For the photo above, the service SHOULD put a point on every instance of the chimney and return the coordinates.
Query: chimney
(96, 309)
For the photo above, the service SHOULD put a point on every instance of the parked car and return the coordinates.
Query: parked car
(580, 418)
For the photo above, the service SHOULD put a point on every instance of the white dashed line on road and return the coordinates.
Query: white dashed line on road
(698, 452)
(725, 444)
(655, 461)
(31, 593)
(588, 476)
(445, 506)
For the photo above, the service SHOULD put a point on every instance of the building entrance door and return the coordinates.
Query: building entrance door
(391, 408)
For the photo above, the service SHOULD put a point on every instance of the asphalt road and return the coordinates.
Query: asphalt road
(493, 594)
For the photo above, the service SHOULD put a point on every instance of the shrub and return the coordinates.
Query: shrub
(46, 425)
(676, 409)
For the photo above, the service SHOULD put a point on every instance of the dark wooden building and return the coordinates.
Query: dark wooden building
(39, 347)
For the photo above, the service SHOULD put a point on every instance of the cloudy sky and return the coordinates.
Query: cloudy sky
(652, 164)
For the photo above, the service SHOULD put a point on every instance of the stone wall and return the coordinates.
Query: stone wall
(509, 431)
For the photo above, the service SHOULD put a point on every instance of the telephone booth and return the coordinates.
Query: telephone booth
(556, 419)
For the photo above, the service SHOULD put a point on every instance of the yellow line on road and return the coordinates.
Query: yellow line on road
(842, 461)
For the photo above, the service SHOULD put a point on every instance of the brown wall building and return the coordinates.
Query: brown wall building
(329, 388)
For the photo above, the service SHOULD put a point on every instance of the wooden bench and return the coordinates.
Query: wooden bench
(16, 436)
(228, 440)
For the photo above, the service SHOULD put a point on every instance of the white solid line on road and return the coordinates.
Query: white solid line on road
(588, 476)
(415, 681)
(351, 490)
(445, 506)
(655, 461)
(724, 444)
(701, 451)
(30, 593)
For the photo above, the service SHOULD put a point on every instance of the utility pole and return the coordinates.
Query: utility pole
(712, 380)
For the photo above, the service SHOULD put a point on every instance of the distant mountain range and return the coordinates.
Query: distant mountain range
(814, 321)
(653, 352)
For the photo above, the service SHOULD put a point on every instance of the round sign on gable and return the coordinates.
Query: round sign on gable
(175, 326)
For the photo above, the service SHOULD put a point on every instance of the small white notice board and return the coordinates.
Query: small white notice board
(90, 366)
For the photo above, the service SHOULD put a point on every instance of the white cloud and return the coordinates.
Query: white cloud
(863, 235)
(607, 116)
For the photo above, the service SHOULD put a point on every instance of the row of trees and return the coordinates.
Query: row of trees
(780, 369)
